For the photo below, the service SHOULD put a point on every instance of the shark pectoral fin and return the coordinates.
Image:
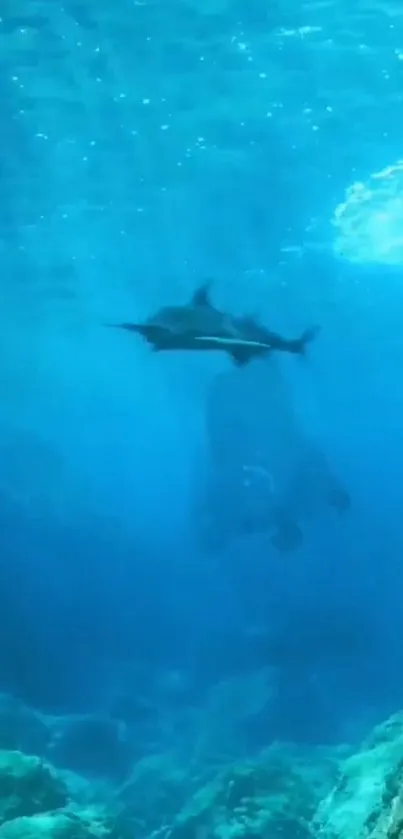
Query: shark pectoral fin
(239, 356)
(201, 296)
(243, 354)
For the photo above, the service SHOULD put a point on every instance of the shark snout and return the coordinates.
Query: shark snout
(140, 328)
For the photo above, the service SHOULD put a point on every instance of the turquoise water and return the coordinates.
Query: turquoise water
(146, 147)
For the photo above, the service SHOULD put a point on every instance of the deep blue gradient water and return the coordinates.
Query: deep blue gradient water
(146, 146)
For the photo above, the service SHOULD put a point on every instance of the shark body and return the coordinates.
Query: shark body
(200, 326)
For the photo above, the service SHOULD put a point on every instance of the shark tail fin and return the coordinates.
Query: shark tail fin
(301, 344)
(201, 296)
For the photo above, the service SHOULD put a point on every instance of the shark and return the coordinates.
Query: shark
(199, 325)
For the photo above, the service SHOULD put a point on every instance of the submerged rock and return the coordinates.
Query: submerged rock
(59, 825)
(367, 800)
(155, 791)
(28, 786)
(36, 801)
(266, 797)
(294, 791)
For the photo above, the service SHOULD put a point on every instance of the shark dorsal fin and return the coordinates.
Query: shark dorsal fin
(201, 296)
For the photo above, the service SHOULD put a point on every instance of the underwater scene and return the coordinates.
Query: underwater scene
(201, 425)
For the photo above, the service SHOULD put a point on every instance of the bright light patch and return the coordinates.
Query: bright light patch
(369, 223)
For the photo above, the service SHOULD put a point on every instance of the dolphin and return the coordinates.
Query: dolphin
(198, 325)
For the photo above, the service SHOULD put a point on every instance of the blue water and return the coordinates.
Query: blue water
(146, 146)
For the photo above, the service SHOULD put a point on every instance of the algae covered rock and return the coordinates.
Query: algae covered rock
(35, 802)
(266, 797)
(28, 786)
(59, 825)
(366, 802)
